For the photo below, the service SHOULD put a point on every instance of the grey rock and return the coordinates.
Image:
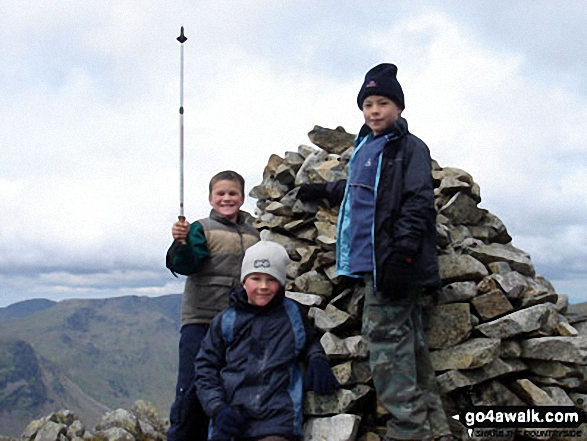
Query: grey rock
(510, 349)
(495, 252)
(289, 243)
(346, 348)
(279, 209)
(313, 282)
(269, 189)
(494, 393)
(501, 268)
(341, 401)
(120, 418)
(305, 299)
(565, 349)
(490, 229)
(449, 325)
(285, 175)
(453, 380)
(343, 427)
(117, 434)
(76, 429)
(457, 292)
(462, 209)
(540, 317)
(552, 369)
(491, 305)
(352, 372)
(554, 396)
(512, 282)
(329, 318)
(333, 141)
(293, 160)
(51, 431)
(471, 354)
(544, 298)
(460, 268)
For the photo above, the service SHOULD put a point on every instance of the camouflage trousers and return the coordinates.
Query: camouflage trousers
(403, 375)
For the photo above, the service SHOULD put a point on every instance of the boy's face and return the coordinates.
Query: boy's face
(260, 288)
(380, 113)
(227, 199)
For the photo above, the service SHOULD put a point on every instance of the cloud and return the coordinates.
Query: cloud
(90, 139)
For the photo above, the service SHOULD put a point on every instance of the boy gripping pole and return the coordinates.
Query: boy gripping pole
(209, 251)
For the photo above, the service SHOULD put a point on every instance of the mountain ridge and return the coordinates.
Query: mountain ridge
(86, 355)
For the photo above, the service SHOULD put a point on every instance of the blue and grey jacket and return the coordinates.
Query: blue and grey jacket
(405, 217)
(250, 360)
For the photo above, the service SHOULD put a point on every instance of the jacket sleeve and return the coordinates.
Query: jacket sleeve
(335, 191)
(185, 259)
(208, 364)
(417, 206)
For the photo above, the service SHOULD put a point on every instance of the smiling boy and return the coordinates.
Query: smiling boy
(387, 235)
(209, 251)
(248, 376)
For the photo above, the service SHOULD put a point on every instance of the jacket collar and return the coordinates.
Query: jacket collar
(218, 217)
(400, 128)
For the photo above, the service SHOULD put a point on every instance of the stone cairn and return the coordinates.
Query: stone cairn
(498, 333)
(141, 423)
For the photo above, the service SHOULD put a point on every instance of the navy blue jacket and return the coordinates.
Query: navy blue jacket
(405, 217)
(250, 359)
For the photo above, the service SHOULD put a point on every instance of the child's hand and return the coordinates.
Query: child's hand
(229, 421)
(312, 192)
(180, 230)
(319, 376)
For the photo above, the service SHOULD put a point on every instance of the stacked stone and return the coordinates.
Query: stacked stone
(498, 333)
(141, 423)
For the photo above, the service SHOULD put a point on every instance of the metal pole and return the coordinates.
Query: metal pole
(182, 38)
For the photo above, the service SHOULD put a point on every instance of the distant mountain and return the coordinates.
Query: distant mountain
(24, 308)
(87, 356)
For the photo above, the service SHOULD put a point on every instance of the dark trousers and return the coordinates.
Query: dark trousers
(188, 422)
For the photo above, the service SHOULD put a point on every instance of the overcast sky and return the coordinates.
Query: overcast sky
(89, 138)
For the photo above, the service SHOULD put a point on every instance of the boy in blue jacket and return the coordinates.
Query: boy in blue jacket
(387, 235)
(248, 373)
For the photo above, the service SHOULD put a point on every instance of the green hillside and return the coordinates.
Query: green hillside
(89, 354)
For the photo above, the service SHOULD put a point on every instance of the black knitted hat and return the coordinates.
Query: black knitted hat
(381, 80)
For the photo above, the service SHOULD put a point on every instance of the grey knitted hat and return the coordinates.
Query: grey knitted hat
(265, 257)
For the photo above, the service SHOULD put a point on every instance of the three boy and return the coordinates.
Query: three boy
(386, 234)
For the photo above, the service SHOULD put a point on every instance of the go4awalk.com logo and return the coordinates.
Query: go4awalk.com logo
(500, 420)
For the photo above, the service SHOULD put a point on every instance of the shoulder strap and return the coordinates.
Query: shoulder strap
(293, 313)
(228, 324)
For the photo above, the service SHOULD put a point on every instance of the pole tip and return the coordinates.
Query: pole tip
(182, 38)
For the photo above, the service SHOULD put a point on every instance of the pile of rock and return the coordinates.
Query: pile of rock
(498, 333)
(141, 423)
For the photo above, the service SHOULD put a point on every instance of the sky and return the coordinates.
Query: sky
(90, 92)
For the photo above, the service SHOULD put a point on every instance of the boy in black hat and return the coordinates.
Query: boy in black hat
(387, 235)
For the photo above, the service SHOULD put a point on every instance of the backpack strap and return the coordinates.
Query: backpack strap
(228, 325)
(297, 324)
